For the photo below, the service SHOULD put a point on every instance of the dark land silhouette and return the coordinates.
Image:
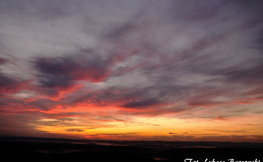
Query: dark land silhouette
(35, 149)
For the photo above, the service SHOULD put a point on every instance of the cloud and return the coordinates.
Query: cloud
(63, 73)
(70, 68)
(143, 103)
(75, 130)
(248, 75)
(15, 105)
(3, 61)
(188, 66)
(220, 118)
(12, 85)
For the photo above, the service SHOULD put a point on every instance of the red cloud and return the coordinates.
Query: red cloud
(10, 85)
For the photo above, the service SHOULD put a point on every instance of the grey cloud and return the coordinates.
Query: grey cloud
(180, 52)
(142, 103)
(251, 75)
(3, 61)
(61, 73)
(75, 130)
(47, 10)
(44, 104)
(11, 84)
(259, 41)
(203, 54)
(22, 106)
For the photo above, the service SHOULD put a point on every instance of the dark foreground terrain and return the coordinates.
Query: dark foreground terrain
(36, 149)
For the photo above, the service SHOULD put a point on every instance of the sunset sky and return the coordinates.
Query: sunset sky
(173, 70)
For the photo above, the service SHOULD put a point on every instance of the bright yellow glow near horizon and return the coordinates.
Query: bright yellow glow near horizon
(159, 126)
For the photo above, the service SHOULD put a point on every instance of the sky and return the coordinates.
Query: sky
(168, 70)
